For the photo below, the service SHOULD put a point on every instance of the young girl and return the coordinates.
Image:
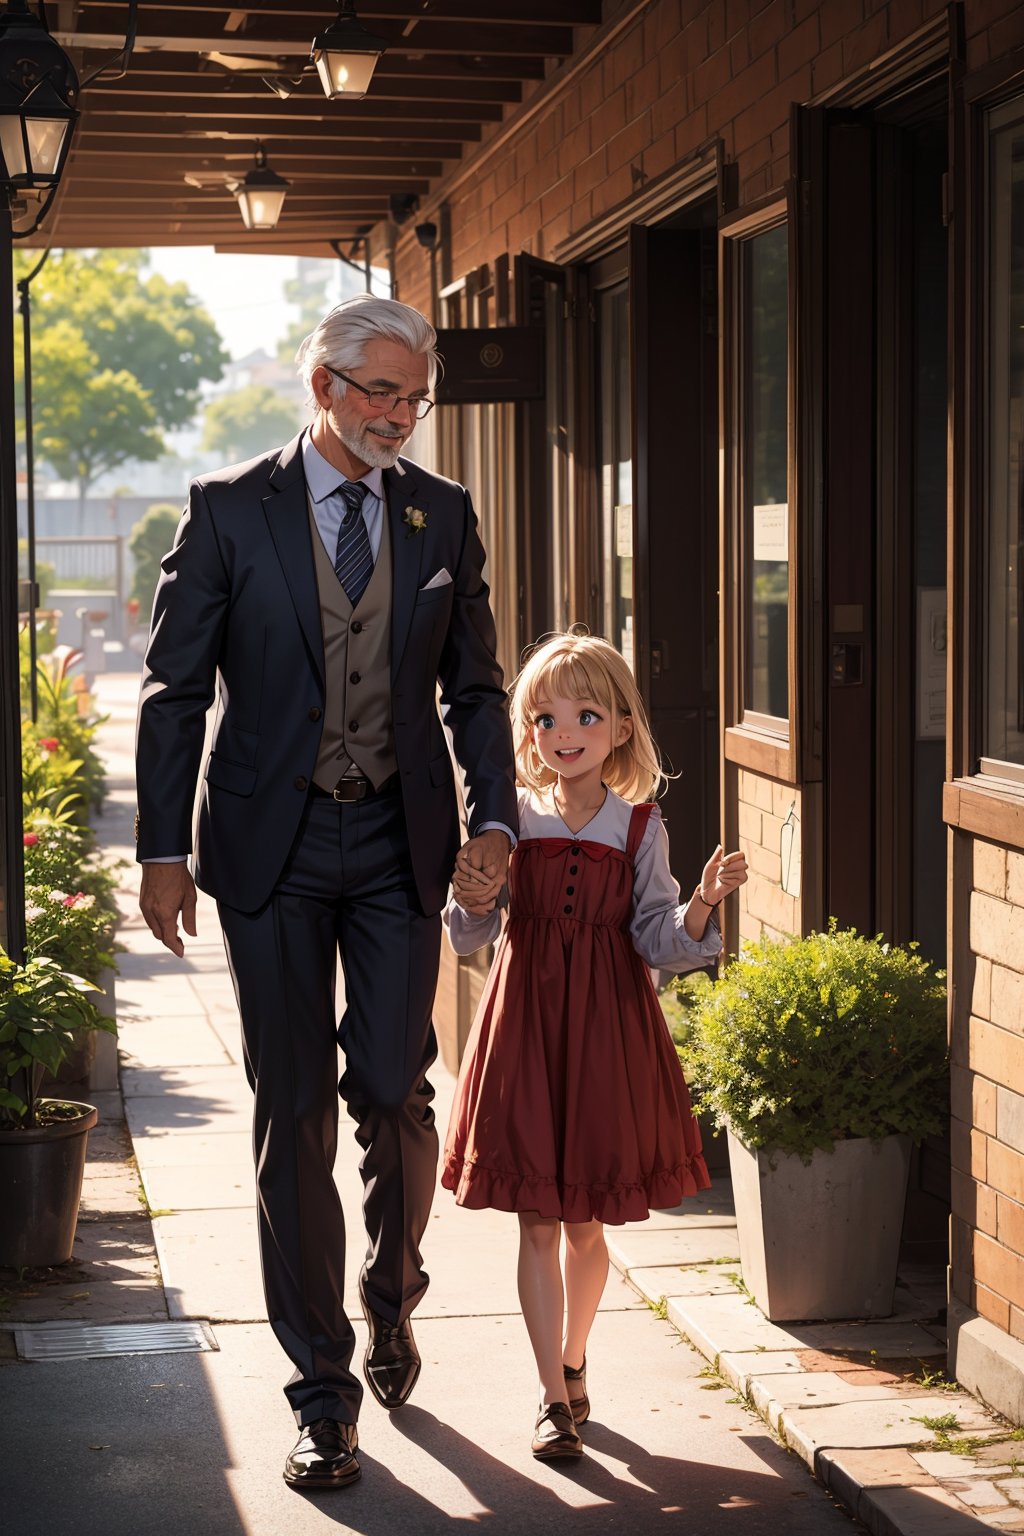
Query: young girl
(571, 1108)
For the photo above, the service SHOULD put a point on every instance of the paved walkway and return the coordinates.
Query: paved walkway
(166, 1443)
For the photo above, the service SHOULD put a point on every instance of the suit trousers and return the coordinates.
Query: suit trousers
(347, 888)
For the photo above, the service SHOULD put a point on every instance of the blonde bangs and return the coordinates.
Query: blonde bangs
(575, 666)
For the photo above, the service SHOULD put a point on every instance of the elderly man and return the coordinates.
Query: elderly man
(322, 591)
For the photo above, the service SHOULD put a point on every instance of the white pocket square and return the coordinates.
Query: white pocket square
(442, 579)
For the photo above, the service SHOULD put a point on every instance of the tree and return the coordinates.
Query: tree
(247, 422)
(149, 541)
(117, 359)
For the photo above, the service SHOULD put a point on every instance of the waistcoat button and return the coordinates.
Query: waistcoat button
(315, 713)
(354, 677)
(567, 909)
(573, 869)
(353, 726)
(301, 783)
(574, 850)
(569, 890)
(357, 628)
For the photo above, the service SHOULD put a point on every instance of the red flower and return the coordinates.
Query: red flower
(30, 839)
(49, 743)
(72, 901)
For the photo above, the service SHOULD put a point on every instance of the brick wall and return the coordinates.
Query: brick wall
(648, 99)
(988, 1114)
(762, 806)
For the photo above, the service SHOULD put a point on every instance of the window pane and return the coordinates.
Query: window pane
(765, 484)
(616, 469)
(1004, 672)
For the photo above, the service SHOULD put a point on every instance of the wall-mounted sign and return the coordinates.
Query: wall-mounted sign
(771, 532)
(506, 363)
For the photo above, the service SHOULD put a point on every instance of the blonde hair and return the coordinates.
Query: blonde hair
(582, 666)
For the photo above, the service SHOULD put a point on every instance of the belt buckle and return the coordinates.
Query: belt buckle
(358, 785)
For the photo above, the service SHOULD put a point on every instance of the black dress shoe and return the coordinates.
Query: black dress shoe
(392, 1361)
(324, 1456)
(576, 1391)
(555, 1434)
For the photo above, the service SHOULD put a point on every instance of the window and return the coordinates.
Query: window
(615, 467)
(1003, 502)
(764, 383)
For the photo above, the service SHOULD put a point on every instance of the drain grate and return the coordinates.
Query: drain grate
(91, 1341)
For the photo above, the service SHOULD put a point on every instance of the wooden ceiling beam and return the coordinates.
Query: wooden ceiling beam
(177, 30)
(316, 13)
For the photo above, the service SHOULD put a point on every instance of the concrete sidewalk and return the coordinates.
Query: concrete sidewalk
(170, 1442)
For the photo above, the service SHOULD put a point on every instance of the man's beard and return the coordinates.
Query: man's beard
(378, 452)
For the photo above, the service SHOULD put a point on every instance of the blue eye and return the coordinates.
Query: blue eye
(545, 722)
(589, 717)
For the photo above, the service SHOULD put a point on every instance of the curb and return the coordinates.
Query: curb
(849, 1398)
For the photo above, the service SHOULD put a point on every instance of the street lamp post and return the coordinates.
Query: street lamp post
(25, 304)
(38, 87)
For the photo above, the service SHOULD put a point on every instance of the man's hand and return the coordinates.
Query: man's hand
(480, 871)
(168, 889)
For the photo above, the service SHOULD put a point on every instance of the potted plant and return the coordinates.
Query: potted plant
(677, 1016)
(42, 1141)
(825, 1057)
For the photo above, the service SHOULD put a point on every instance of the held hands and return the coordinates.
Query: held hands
(723, 873)
(480, 871)
(168, 889)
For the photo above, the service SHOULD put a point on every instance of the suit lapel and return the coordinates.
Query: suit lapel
(400, 492)
(287, 513)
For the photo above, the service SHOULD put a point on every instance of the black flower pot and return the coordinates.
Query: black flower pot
(41, 1170)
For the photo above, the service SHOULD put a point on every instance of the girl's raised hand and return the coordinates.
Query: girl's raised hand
(723, 873)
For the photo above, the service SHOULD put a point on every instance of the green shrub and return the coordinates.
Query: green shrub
(801, 1043)
(70, 927)
(41, 1007)
(149, 541)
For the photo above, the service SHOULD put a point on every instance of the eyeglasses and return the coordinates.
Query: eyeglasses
(384, 400)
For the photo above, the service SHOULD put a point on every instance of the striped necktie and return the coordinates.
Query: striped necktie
(353, 561)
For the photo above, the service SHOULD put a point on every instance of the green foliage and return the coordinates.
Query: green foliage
(149, 541)
(41, 1007)
(62, 720)
(806, 1042)
(308, 290)
(248, 422)
(117, 359)
(105, 417)
(70, 927)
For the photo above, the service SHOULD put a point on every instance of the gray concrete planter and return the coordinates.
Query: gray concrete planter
(820, 1240)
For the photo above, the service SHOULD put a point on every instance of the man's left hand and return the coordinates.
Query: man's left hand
(484, 860)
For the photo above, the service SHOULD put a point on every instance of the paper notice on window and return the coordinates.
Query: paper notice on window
(771, 532)
(624, 531)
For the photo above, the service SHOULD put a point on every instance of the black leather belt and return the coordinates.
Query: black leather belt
(350, 789)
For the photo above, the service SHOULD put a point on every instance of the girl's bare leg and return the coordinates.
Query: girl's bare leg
(542, 1298)
(586, 1270)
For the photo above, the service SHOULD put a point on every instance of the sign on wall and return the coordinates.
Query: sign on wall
(504, 363)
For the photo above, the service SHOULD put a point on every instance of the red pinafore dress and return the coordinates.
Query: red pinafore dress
(571, 1101)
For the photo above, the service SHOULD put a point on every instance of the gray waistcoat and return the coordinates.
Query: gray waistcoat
(357, 681)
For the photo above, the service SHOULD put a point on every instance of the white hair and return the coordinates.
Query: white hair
(342, 336)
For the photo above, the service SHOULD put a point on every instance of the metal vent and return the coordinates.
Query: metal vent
(90, 1341)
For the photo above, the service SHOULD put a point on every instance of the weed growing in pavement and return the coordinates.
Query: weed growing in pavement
(941, 1423)
(659, 1307)
(935, 1381)
(737, 1281)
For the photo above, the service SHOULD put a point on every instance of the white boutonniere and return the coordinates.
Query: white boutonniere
(415, 520)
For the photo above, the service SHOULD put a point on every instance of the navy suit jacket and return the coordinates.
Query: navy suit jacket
(237, 605)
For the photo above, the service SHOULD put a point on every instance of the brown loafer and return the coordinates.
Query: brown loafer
(392, 1362)
(576, 1391)
(555, 1434)
(324, 1456)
